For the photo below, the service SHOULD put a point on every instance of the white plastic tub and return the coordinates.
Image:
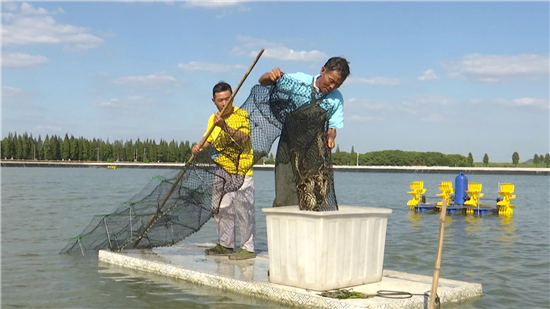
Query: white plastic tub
(326, 250)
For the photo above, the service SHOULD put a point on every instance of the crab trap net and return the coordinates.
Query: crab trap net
(176, 205)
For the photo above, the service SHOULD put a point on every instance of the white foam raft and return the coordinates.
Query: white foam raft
(250, 277)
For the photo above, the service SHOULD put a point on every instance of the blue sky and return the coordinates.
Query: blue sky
(425, 76)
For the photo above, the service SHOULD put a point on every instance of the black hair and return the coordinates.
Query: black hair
(221, 87)
(338, 64)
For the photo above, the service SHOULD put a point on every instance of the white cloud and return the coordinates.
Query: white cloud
(47, 128)
(155, 79)
(208, 66)
(19, 60)
(535, 102)
(35, 26)
(226, 7)
(250, 46)
(427, 75)
(8, 91)
(386, 107)
(527, 102)
(7, 17)
(28, 9)
(375, 81)
(127, 102)
(428, 99)
(211, 3)
(369, 110)
(9, 6)
(494, 68)
(434, 117)
(365, 118)
(111, 102)
(285, 53)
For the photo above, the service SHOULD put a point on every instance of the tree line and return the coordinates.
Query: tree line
(414, 158)
(27, 147)
(54, 147)
(398, 158)
(541, 159)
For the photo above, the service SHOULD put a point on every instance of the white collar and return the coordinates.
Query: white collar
(315, 84)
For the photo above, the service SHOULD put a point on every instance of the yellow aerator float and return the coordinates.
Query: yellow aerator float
(464, 198)
(446, 188)
(417, 188)
(505, 208)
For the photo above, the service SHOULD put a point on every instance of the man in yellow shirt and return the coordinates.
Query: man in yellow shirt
(234, 155)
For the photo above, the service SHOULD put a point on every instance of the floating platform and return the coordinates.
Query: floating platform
(250, 277)
(458, 209)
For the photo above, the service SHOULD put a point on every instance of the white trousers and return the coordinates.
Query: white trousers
(241, 202)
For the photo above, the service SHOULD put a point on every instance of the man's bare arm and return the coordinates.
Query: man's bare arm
(331, 136)
(270, 77)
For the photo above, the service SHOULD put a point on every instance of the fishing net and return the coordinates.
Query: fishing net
(176, 205)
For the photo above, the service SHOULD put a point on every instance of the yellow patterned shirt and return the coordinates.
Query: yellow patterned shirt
(233, 157)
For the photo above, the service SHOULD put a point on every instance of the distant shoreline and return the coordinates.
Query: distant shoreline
(268, 167)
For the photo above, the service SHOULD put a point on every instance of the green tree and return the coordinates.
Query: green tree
(73, 148)
(105, 150)
(547, 159)
(337, 148)
(26, 145)
(46, 149)
(53, 147)
(81, 152)
(186, 151)
(6, 147)
(515, 158)
(85, 153)
(470, 159)
(536, 159)
(66, 148)
(139, 150)
(162, 151)
(181, 152)
(18, 141)
(117, 150)
(271, 160)
(486, 159)
(173, 151)
(39, 144)
(129, 151)
(352, 150)
(11, 146)
(152, 151)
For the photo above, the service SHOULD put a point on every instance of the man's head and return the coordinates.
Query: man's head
(221, 93)
(333, 74)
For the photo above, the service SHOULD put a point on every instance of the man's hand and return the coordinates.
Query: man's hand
(271, 77)
(275, 74)
(218, 120)
(196, 149)
(331, 135)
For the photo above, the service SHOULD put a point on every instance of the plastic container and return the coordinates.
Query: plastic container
(326, 250)
(461, 185)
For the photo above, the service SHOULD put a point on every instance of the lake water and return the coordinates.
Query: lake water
(43, 207)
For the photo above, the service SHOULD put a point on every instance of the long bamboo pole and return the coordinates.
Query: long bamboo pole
(203, 140)
(437, 267)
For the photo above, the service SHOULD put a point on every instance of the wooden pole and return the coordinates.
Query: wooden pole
(437, 268)
(203, 140)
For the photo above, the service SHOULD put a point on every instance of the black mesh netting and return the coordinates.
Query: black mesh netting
(175, 206)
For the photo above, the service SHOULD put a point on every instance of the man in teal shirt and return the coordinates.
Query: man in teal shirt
(304, 89)
(332, 76)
